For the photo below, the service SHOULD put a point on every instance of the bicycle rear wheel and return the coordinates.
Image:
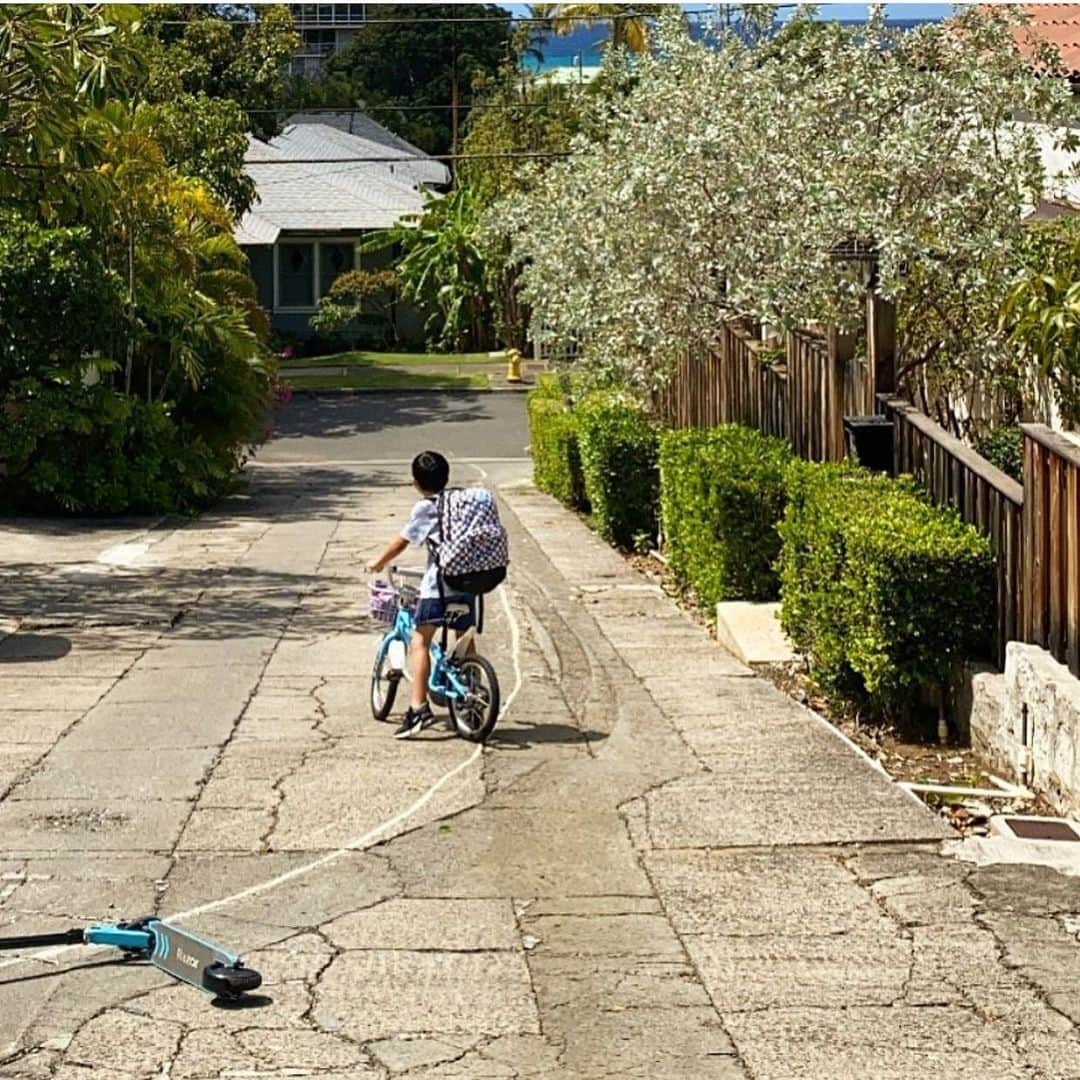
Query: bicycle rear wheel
(474, 715)
(384, 684)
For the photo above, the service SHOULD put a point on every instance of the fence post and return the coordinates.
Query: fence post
(841, 356)
(880, 344)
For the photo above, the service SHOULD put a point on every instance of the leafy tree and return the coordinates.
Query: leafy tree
(629, 26)
(1042, 314)
(733, 178)
(57, 64)
(443, 268)
(241, 55)
(205, 137)
(59, 302)
(519, 114)
(210, 76)
(421, 63)
(356, 296)
(132, 371)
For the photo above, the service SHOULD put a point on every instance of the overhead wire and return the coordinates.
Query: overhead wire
(523, 20)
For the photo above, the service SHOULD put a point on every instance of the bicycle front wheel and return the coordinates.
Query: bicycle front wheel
(474, 715)
(384, 684)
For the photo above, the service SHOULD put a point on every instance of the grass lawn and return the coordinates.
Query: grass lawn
(388, 360)
(388, 371)
(374, 378)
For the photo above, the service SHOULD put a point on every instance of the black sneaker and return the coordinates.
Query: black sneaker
(414, 721)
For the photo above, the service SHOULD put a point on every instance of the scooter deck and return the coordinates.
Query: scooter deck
(183, 955)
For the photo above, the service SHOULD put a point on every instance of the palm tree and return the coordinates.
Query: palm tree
(629, 25)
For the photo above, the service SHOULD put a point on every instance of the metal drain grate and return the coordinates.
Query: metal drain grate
(1042, 829)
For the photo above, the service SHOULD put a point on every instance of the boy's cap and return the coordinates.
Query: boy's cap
(431, 471)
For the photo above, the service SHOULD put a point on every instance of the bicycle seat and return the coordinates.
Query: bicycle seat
(453, 610)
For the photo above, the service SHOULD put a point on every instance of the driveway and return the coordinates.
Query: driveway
(660, 867)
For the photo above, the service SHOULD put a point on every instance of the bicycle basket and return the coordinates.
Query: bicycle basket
(383, 602)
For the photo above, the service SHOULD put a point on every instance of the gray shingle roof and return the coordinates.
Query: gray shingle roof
(306, 179)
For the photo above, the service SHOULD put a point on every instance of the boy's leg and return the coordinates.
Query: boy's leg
(418, 715)
(420, 663)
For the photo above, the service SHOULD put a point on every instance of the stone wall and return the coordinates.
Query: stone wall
(1031, 734)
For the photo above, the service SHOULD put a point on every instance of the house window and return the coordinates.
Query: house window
(334, 259)
(296, 275)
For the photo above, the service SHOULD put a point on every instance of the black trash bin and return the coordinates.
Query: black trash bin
(870, 441)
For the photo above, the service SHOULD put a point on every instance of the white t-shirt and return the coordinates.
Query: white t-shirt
(422, 526)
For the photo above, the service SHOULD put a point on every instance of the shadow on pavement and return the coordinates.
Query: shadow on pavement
(33, 648)
(66, 969)
(339, 416)
(240, 603)
(525, 736)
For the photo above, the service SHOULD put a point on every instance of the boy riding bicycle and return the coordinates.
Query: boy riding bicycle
(430, 473)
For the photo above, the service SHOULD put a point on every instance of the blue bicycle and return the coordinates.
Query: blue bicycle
(461, 680)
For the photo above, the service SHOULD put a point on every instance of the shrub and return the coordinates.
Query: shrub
(1004, 447)
(880, 590)
(553, 442)
(722, 494)
(58, 301)
(92, 450)
(619, 461)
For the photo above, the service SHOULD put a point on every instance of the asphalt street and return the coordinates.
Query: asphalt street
(395, 426)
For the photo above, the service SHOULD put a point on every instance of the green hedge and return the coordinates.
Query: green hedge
(722, 495)
(553, 439)
(1004, 447)
(880, 590)
(619, 460)
(92, 450)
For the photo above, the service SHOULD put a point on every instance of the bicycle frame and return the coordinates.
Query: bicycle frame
(443, 680)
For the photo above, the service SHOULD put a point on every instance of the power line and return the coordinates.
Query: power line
(516, 20)
(414, 160)
(300, 109)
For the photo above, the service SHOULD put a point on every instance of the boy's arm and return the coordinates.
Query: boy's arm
(389, 554)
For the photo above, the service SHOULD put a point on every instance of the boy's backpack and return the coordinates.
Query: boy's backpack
(475, 550)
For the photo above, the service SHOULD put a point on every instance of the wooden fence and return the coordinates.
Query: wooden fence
(1034, 528)
(1051, 541)
(954, 475)
(802, 396)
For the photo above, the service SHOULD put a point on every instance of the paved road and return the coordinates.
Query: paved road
(363, 427)
(660, 868)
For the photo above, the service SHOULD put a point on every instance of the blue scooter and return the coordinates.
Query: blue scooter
(176, 952)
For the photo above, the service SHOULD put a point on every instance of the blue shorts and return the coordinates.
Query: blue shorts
(430, 609)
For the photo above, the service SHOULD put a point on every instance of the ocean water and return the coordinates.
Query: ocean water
(585, 44)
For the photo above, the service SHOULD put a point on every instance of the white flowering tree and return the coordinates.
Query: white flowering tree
(735, 178)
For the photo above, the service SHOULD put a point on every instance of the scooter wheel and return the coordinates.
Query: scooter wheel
(229, 982)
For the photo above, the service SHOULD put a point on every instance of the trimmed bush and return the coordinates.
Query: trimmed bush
(553, 439)
(722, 495)
(880, 590)
(1004, 447)
(92, 450)
(619, 450)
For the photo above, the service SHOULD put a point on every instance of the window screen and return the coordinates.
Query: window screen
(296, 275)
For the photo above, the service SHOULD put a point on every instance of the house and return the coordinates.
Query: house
(320, 190)
(1058, 24)
(324, 29)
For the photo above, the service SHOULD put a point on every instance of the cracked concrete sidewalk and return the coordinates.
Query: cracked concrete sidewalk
(661, 867)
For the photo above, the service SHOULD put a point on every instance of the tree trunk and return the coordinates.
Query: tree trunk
(129, 364)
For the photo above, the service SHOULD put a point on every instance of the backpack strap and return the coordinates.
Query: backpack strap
(433, 548)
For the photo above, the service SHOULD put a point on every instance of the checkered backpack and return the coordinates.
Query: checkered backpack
(475, 550)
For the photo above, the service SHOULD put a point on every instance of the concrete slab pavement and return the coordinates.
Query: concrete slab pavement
(661, 866)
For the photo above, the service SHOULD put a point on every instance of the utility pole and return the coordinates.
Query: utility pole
(454, 95)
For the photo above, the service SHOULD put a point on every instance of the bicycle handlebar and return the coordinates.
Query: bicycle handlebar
(404, 572)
